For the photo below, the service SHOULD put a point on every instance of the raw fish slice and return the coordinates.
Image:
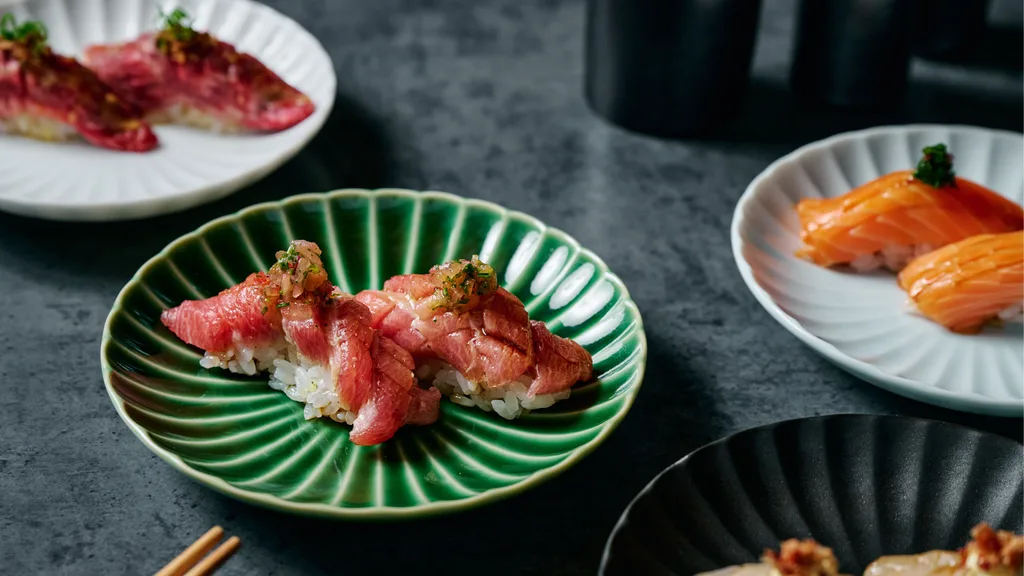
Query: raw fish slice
(51, 97)
(967, 284)
(395, 321)
(457, 313)
(560, 362)
(295, 304)
(901, 215)
(347, 328)
(248, 314)
(386, 409)
(372, 375)
(180, 75)
(302, 323)
(424, 405)
(236, 316)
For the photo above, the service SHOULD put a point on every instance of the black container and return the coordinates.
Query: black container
(948, 29)
(674, 68)
(852, 53)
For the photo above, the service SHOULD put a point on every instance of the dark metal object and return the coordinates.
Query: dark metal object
(673, 68)
(852, 52)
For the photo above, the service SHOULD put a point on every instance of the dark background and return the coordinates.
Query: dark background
(481, 98)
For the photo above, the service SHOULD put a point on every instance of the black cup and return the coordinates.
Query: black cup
(673, 68)
(853, 53)
(948, 29)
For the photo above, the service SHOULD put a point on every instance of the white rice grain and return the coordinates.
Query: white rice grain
(509, 401)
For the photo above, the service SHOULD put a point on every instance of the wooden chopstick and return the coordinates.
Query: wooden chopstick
(215, 559)
(190, 556)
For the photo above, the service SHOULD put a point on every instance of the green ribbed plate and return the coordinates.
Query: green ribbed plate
(238, 436)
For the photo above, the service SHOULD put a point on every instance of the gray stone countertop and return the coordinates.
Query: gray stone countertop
(481, 98)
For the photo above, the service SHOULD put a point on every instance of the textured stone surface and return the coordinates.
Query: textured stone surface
(481, 98)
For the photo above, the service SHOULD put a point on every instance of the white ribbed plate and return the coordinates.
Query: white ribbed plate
(76, 181)
(862, 322)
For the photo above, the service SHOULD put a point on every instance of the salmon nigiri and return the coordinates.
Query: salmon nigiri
(967, 284)
(48, 96)
(316, 344)
(890, 220)
(476, 339)
(185, 76)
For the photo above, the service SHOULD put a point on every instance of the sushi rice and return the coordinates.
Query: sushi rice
(300, 380)
(509, 401)
(311, 383)
(893, 257)
(185, 115)
(37, 127)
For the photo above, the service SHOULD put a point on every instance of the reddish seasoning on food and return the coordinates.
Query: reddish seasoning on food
(47, 96)
(180, 75)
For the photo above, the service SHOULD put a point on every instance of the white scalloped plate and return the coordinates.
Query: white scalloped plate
(76, 181)
(861, 322)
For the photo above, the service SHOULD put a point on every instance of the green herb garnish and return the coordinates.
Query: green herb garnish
(32, 33)
(936, 167)
(175, 27)
(178, 23)
(289, 260)
(282, 304)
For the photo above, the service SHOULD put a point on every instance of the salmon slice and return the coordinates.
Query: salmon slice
(47, 96)
(457, 313)
(901, 215)
(560, 362)
(964, 285)
(184, 76)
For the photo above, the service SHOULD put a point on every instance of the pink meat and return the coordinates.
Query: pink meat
(301, 322)
(36, 82)
(395, 320)
(424, 405)
(372, 374)
(236, 315)
(158, 71)
(490, 344)
(560, 362)
(347, 326)
(386, 408)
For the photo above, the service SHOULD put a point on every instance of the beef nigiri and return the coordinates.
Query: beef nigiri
(314, 341)
(47, 96)
(891, 220)
(967, 284)
(180, 75)
(475, 340)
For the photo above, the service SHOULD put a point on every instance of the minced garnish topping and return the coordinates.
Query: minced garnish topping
(936, 167)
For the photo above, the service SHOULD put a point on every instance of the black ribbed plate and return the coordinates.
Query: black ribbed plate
(864, 485)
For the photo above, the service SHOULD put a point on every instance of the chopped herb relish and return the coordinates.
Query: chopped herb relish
(936, 167)
(463, 282)
(31, 33)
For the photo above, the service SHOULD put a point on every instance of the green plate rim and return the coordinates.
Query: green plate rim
(379, 512)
